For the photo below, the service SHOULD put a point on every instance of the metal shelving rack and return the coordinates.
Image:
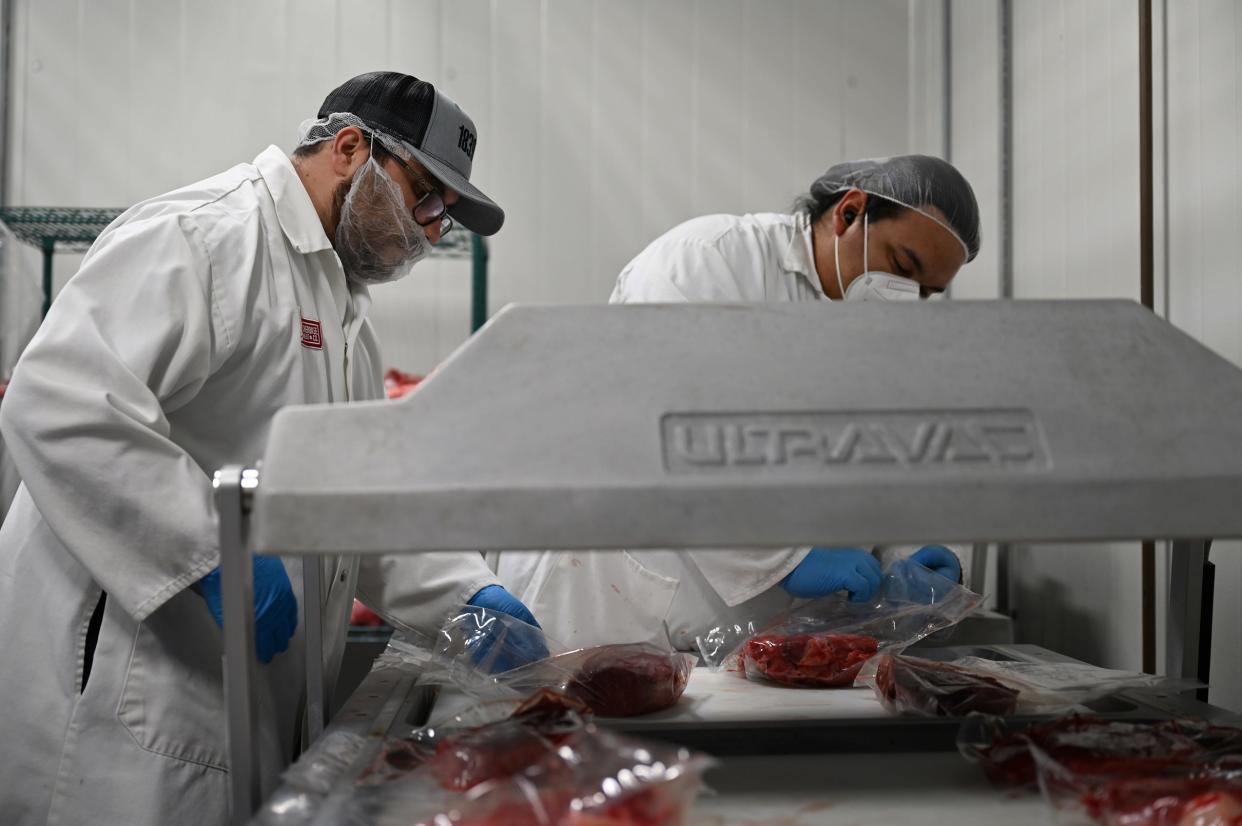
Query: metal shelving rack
(1059, 421)
(57, 229)
(74, 229)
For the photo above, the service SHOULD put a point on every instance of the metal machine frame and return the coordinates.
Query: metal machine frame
(1117, 356)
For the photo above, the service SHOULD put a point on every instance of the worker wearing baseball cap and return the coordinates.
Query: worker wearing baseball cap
(195, 317)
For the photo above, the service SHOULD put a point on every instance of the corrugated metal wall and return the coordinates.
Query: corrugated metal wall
(603, 122)
(1076, 222)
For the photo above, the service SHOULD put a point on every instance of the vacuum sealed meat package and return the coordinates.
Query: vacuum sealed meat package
(825, 642)
(487, 655)
(1092, 750)
(807, 659)
(626, 680)
(536, 728)
(1169, 773)
(912, 685)
(544, 764)
(1188, 800)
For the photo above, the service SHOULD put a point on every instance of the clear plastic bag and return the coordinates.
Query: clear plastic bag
(476, 643)
(915, 686)
(309, 781)
(545, 764)
(1174, 773)
(1057, 688)
(1092, 749)
(620, 680)
(826, 642)
(405, 651)
(1203, 798)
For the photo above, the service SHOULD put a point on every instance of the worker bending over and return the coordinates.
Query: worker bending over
(196, 317)
(889, 229)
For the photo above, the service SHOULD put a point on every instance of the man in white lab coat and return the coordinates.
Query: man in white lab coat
(194, 318)
(888, 229)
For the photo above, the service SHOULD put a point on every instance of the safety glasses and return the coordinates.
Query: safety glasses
(429, 206)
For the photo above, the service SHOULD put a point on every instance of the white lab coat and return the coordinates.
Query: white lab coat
(21, 299)
(590, 598)
(163, 359)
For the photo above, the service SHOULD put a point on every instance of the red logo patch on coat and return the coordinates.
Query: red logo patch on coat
(312, 334)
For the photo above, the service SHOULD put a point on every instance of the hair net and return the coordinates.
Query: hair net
(313, 131)
(916, 182)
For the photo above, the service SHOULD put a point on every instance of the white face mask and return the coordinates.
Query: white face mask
(874, 285)
(377, 238)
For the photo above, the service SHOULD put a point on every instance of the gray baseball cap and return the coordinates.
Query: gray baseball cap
(432, 128)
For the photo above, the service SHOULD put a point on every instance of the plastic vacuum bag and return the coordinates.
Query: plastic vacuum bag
(1203, 799)
(918, 687)
(1184, 773)
(545, 764)
(620, 680)
(1093, 748)
(825, 642)
(911, 685)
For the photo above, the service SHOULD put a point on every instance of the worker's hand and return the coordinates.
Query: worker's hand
(827, 570)
(508, 644)
(496, 598)
(275, 606)
(941, 560)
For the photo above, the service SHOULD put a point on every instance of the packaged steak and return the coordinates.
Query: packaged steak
(822, 659)
(913, 685)
(824, 643)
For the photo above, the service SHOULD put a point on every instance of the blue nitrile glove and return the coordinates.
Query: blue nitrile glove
(826, 570)
(941, 560)
(275, 606)
(518, 644)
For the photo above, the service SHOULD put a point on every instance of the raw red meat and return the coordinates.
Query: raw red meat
(595, 778)
(547, 707)
(1166, 801)
(663, 805)
(546, 721)
(913, 684)
(362, 616)
(626, 680)
(398, 383)
(396, 759)
(544, 765)
(1104, 749)
(831, 660)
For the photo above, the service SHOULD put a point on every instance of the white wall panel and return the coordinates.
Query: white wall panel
(618, 207)
(718, 181)
(517, 181)
(1075, 195)
(603, 122)
(975, 67)
(767, 98)
(1075, 161)
(818, 121)
(1205, 223)
(564, 160)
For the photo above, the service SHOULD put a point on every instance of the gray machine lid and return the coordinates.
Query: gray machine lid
(775, 424)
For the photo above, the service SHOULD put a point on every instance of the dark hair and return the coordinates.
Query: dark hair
(917, 180)
(817, 204)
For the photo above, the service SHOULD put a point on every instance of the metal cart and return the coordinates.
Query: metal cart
(774, 424)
